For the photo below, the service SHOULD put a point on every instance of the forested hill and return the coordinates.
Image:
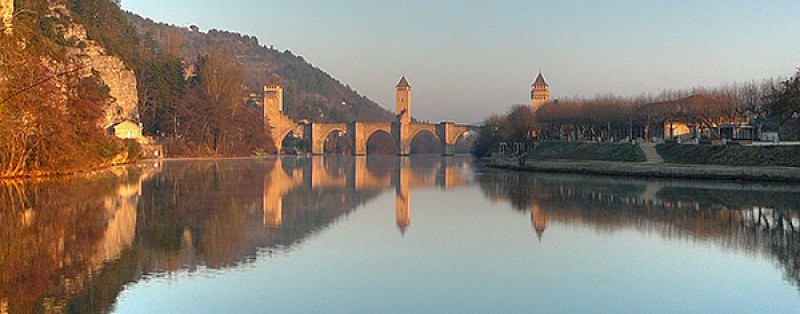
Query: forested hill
(309, 93)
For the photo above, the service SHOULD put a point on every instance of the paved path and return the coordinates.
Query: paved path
(649, 150)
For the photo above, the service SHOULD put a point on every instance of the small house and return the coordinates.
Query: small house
(126, 130)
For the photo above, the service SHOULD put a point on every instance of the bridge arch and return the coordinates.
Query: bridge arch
(318, 133)
(363, 131)
(289, 142)
(338, 142)
(425, 141)
(380, 142)
(464, 141)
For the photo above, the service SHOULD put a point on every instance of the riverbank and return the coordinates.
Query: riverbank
(653, 170)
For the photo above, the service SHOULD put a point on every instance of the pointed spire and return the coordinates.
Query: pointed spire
(403, 83)
(539, 82)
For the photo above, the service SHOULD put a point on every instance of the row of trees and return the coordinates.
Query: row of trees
(772, 104)
(204, 114)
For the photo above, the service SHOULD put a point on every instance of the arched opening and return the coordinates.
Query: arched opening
(292, 144)
(425, 142)
(338, 142)
(466, 142)
(381, 143)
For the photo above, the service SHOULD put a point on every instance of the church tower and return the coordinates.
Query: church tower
(403, 101)
(540, 92)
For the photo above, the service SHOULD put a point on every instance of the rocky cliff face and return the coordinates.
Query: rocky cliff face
(120, 78)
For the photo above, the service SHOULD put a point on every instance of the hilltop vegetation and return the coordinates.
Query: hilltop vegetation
(309, 93)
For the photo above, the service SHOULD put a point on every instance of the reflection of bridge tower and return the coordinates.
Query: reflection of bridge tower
(276, 184)
(539, 220)
(402, 196)
(353, 174)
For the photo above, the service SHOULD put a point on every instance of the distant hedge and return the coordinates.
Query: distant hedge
(732, 155)
(587, 151)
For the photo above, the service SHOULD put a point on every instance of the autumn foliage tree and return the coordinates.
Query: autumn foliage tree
(212, 117)
(518, 125)
(49, 113)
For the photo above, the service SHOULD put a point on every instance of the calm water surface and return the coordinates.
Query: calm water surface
(389, 234)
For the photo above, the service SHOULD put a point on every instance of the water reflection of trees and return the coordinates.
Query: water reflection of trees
(57, 233)
(750, 218)
(72, 245)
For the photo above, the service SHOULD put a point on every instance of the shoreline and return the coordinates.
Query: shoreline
(655, 170)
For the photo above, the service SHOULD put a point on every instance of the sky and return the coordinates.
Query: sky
(466, 60)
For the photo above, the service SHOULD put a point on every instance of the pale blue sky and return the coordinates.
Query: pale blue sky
(468, 59)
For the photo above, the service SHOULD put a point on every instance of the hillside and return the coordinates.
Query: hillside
(60, 85)
(309, 93)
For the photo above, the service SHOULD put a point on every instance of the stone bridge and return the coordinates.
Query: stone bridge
(402, 130)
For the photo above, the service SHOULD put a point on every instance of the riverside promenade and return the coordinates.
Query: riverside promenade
(654, 167)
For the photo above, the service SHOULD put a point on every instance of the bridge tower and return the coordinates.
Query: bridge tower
(540, 92)
(403, 111)
(273, 96)
(276, 122)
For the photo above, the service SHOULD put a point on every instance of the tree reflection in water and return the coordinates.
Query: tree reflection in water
(57, 233)
(744, 217)
(73, 244)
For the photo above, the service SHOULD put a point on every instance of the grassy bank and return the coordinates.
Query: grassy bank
(730, 155)
(586, 151)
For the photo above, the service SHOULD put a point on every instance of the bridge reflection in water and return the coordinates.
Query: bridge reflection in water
(374, 173)
(75, 244)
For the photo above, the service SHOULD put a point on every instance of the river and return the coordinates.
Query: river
(392, 234)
